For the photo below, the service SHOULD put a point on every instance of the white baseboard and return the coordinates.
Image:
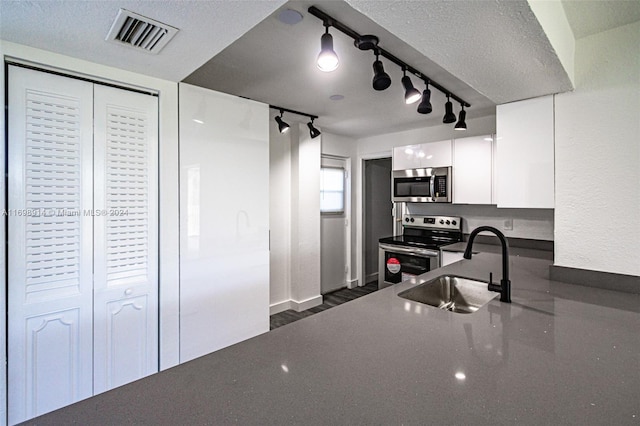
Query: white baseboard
(276, 308)
(303, 305)
(297, 306)
(352, 283)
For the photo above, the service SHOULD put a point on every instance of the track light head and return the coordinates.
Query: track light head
(381, 79)
(449, 116)
(411, 94)
(461, 125)
(313, 132)
(327, 58)
(425, 104)
(282, 126)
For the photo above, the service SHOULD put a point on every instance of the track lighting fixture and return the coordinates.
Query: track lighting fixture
(282, 126)
(327, 58)
(381, 79)
(411, 94)
(425, 104)
(461, 125)
(313, 132)
(449, 116)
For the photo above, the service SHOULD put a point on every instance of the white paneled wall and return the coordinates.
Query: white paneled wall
(224, 220)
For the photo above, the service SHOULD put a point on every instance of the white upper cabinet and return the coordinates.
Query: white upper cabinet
(525, 154)
(432, 154)
(473, 170)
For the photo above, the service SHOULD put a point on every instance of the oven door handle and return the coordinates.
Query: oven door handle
(432, 186)
(408, 250)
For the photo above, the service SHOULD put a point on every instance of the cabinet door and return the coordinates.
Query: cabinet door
(125, 237)
(472, 170)
(224, 220)
(430, 154)
(407, 157)
(435, 154)
(525, 154)
(50, 292)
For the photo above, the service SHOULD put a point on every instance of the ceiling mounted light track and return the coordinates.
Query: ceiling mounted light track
(411, 94)
(461, 124)
(327, 58)
(381, 79)
(284, 127)
(425, 104)
(449, 116)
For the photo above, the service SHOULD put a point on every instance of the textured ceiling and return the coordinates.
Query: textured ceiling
(487, 52)
(78, 29)
(275, 63)
(591, 17)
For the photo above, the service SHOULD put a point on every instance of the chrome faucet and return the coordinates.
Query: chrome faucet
(504, 288)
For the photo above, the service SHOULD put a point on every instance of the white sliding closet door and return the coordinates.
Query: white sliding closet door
(126, 237)
(50, 289)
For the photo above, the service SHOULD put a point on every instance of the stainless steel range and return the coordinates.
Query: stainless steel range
(417, 250)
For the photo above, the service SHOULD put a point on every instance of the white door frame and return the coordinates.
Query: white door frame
(361, 273)
(351, 282)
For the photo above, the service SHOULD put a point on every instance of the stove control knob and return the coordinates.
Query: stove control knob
(441, 222)
(448, 223)
(406, 219)
(412, 220)
(454, 223)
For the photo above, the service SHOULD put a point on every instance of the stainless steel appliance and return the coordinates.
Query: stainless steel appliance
(417, 250)
(432, 185)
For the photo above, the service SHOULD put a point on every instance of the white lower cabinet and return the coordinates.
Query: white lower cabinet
(224, 220)
(82, 263)
(449, 257)
(473, 170)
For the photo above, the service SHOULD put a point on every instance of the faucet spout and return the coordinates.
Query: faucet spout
(505, 284)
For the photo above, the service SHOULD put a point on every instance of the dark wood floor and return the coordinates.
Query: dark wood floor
(330, 300)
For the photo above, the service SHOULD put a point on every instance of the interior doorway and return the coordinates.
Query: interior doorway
(377, 211)
(334, 211)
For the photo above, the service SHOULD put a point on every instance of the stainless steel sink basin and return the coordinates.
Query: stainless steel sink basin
(451, 293)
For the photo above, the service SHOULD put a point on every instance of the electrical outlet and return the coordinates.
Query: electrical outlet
(508, 225)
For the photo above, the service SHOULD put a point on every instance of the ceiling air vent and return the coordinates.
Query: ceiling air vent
(140, 32)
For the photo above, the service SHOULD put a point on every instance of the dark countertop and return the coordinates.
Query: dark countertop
(559, 354)
(496, 248)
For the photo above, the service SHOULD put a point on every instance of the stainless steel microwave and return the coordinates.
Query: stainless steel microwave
(431, 185)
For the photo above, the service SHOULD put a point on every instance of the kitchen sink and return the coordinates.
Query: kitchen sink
(451, 293)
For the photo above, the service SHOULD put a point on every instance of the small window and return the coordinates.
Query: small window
(331, 190)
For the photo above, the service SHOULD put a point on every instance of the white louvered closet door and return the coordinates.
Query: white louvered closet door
(50, 169)
(125, 237)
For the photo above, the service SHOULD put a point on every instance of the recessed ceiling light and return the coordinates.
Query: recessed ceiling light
(336, 97)
(290, 16)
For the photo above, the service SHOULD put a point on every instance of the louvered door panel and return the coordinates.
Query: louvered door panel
(50, 242)
(126, 225)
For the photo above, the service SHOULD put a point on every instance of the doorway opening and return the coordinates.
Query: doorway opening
(377, 212)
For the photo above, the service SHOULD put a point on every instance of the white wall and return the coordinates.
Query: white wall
(305, 219)
(294, 182)
(279, 217)
(597, 212)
